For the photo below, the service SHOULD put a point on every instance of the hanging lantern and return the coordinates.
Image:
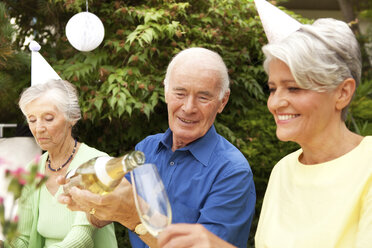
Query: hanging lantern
(85, 31)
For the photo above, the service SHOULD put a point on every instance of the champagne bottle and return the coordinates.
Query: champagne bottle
(101, 175)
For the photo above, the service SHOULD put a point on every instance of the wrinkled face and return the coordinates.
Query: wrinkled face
(47, 123)
(300, 114)
(193, 102)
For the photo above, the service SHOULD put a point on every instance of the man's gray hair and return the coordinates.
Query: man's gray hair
(208, 59)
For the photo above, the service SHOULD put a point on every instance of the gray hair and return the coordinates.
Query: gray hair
(320, 56)
(210, 61)
(62, 93)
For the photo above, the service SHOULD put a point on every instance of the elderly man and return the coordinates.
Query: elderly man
(207, 179)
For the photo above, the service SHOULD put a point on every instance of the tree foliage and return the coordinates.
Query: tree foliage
(120, 83)
(11, 60)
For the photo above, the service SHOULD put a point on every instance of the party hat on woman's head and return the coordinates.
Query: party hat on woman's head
(276, 23)
(41, 71)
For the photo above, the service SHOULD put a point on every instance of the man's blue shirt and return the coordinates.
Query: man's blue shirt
(208, 182)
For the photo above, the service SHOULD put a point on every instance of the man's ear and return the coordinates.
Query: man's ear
(224, 101)
(165, 92)
(166, 96)
(345, 92)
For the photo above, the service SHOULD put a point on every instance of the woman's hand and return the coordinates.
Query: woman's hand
(66, 198)
(190, 235)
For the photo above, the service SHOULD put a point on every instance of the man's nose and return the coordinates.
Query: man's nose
(189, 104)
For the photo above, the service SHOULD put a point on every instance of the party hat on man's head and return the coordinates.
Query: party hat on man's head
(41, 71)
(276, 23)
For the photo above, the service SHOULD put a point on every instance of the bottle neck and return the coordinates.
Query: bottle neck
(117, 167)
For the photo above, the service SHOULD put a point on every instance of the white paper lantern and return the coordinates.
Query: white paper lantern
(85, 31)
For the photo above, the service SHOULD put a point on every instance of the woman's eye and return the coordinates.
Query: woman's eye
(293, 89)
(49, 118)
(271, 90)
(31, 120)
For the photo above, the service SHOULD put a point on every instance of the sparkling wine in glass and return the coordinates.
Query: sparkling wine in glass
(151, 199)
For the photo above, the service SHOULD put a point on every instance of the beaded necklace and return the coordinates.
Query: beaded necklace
(68, 160)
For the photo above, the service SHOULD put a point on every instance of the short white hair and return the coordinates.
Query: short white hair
(62, 94)
(210, 59)
(320, 56)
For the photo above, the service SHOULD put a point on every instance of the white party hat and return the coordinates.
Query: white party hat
(276, 23)
(41, 71)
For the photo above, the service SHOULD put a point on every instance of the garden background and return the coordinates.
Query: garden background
(120, 82)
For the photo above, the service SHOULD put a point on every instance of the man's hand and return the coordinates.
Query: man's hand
(190, 235)
(115, 206)
(102, 209)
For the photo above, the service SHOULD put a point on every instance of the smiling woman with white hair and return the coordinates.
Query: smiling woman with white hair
(51, 110)
(321, 194)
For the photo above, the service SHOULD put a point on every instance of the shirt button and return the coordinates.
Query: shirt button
(171, 163)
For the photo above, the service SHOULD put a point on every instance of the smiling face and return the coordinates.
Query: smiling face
(47, 123)
(300, 115)
(193, 102)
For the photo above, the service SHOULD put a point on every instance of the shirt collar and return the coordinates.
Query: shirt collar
(201, 148)
(165, 141)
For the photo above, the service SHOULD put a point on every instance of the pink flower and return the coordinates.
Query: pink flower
(18, 172)
(22, 181)
(19, 177)
(37, 159)
(39, 175)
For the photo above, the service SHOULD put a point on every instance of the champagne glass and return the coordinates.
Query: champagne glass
(151, 199)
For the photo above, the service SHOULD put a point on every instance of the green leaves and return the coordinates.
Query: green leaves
(360, 111)
(14, 69)
(143, 33)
